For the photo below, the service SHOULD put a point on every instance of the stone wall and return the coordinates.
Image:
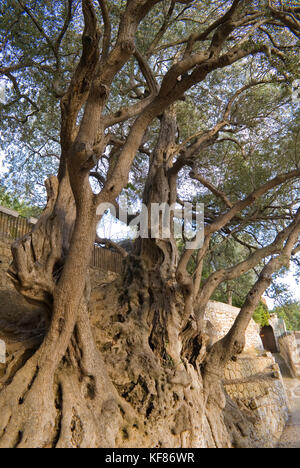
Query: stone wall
(290, 353)
(222, 317)
(256, 385)
(5, 259)
(254, 380)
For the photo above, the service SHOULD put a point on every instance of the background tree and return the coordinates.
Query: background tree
(290, 312)
(184, 97)
(262, 315)
(21, 207)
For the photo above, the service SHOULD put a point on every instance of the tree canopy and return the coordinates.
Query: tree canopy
(42, 43)
(290, 312)
(166, 102)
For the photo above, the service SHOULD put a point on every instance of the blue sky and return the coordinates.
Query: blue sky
(2, 158)
(291, 282)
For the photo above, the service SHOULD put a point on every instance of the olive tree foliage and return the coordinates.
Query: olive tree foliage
(290, 312)
(171, 101)
(29, 110)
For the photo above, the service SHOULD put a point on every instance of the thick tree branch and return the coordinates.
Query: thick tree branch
(162, 30)
(202, 139)
(107, 29)
(215, 279)
(37, 25)
(233, 343)
(289, 16)
(224, 219)
(82, 80)
(128, 112)
(68, 19)
(212, 188)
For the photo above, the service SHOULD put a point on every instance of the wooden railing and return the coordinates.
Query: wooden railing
(14, 227)
(106, 260)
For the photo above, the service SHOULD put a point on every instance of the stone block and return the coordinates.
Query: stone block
(2, 352)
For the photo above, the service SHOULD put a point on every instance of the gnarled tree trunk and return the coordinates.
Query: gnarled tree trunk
(66, 394)
(156, 365)
(156, 381)
(152, 384)
(61, 396)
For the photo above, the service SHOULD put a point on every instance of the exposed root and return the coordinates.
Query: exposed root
(160, 383)
(26, 410)
(76, 407)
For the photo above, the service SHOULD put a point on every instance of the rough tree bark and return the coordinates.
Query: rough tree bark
(161, 385)
(157, 257)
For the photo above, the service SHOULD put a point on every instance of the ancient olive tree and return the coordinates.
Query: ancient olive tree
(130, 92)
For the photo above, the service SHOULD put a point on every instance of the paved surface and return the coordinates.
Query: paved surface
(291, 435)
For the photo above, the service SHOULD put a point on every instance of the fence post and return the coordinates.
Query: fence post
(2, 352)
(15, 227)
